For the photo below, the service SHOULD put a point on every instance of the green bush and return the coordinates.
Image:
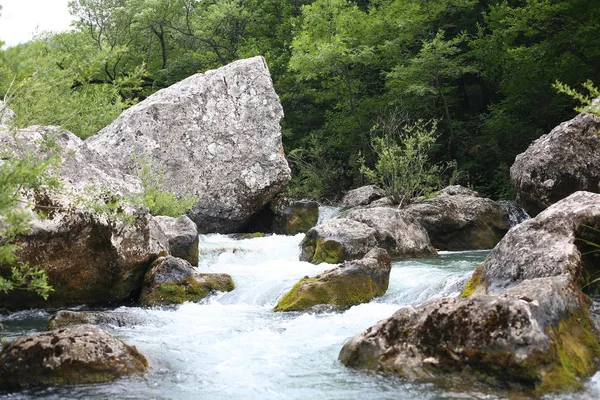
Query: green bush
(403, 169)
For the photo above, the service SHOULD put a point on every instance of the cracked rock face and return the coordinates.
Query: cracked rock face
(215, 135)
(558, 164)
(79, 355)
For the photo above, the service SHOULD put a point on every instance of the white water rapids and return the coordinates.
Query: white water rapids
(233, 346)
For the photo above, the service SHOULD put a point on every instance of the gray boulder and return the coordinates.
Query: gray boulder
(522, 321)
(361, 196)
(7, 116)
(352, 283)
(337, 240)
(79, 355)
(558, 164)
(87, 258)
(182, 235)
(398, 232)
(458, 219)
(216, 136)
(174, 281)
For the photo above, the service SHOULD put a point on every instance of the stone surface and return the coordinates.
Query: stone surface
(173, 281)
(80, 355)
(361, 196)
(557, 164)
(398, 232)
(292, 216)
(216, 136)
(352, 283)
(522, 321)
(459, 220)
(338, 240)
(7, 116)
(182, 235)
(87, 258)
(66, 318)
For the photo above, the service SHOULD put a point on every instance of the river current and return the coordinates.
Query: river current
(233, 346)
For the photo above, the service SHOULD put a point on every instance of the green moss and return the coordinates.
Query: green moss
(335, 289)
(189, 289)
(241, 236)
(473, 283)
(328, 251)
(301, 220)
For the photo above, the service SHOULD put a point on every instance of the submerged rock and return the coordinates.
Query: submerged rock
(79, 355)
(182, 235)
(458, 219)
(557, 164)
(66, 318)
(351, 283)
(361, 196)
(217, 137)
(522, 321)
(87, 258)
(173, 281)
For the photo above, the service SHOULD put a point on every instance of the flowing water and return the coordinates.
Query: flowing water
(233, 346)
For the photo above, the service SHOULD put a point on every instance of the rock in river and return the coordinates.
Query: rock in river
(215, 135)
(352, 283)
(182, 235)
(79, 355)
(522, 321)
(560, 163)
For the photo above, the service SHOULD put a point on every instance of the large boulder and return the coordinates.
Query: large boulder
(80, 355)
(522, 321)
(7, 116)
(216, 136)
(87, 258)
(361, 196)
(173, 281)
(182, 235)
(458, 219)
(557, 164)
(352, 283)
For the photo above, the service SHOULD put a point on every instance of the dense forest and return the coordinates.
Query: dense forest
(483, 71)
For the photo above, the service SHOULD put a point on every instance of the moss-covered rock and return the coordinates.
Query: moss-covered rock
(66, 318)
(242, 236)
(173, 281)
(522, 321)
(352, 283)
(79, 355)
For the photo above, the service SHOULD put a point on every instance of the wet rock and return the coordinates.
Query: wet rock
(558, 164)
(398, 232)
(522, 321)
(182, 235)
(361, 196)
(284, 216)
(217, 137)
(79, 355)
(66, 318)
(173, 281)
(87, 258)
(458, 219)
(352, 283)
(337, 240)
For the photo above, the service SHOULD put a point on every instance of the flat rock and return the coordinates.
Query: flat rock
(79, 355)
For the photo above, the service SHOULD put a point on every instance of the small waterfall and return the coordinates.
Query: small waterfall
(328, 212)
(515, 213)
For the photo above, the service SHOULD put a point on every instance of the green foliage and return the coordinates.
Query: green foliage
(404, 169)
(20, 173)
(154, 196)
(585, 99)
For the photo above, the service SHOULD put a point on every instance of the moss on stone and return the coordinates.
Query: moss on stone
(340, 290)
(473, 283)
(188, 289)
(241, 236)
(301, 220)
(328, 251)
